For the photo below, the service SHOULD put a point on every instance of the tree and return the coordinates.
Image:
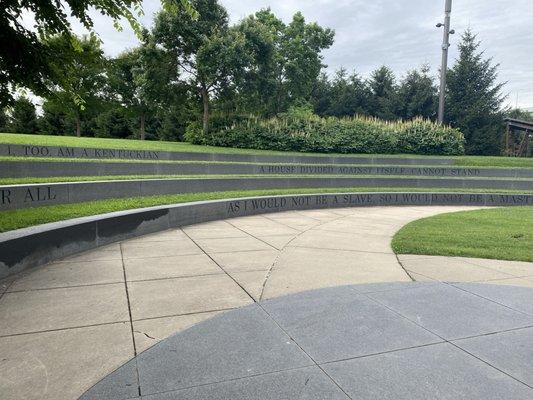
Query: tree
(384, 94)
(3, 120)
(25, 56)
(418, 95)
(206, 52)
(84, 76)
(23, 117)
(348, 95)
(474, 98)
(140, 81)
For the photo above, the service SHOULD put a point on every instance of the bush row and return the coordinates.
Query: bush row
(334, 135)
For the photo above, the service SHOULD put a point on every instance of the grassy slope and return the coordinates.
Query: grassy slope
(58, 179)
(47, 140)
(501, 233)
(15, 219)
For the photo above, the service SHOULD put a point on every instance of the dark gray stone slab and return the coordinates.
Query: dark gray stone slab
(244, 354)
(336, 324)
(437, 372)
(33, 195)
(302, 384)
(95, 153)
(516, 297)
(511, 352)
(121, 384)
(238, 344)
(450, 312)
(37, 168)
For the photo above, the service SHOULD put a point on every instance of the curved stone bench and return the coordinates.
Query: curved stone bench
(29, 247)
(34, 195)
(43, 169)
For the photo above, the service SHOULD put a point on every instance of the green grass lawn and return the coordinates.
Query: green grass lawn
(500, 233)
(60, 179)
(71, 141)
(16, 219)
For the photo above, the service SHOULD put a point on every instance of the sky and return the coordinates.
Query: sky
(399, 34)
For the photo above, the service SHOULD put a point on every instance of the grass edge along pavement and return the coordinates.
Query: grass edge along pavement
(26, 217)
(130, 144)
(498, 233)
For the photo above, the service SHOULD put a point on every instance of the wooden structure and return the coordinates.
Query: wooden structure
(518, 138)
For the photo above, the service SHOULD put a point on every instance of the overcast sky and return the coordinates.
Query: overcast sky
(400, 34)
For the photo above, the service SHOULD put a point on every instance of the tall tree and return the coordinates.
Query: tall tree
(206, 52)
(301, 46)
(84, 76)
(384, 94)
(25, 57)
(417, 95)
(474, 98)
(23, 117)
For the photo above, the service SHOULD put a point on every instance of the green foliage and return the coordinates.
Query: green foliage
(81, 88)
(417, 95)
(474, 99)
(297, 131)
(25, 59)
(283, 62)
(22, 117)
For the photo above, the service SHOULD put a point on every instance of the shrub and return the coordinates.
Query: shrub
(299, 131)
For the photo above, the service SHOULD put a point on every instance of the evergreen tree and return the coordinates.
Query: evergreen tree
(384, 94)
(474, 99)
(23, 117)
(417, 95)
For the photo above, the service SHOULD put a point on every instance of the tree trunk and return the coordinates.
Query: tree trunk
(205, 101)
(143, 122)
(78, 126)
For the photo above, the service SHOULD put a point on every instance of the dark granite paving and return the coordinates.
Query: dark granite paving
(381, 341)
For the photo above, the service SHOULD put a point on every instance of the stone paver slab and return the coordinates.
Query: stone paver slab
(343, 241)
(336, 324)
(179, 247)
(251, 281)
(246, 260)
(168, 297)
(64, 274)
(300, 269)
(229, 245)
(61, 365)
(169, 267)
(246, 342)
(451, 312)
(302, 384)
(40, 310)
(151, 331)
(440, 372)
(277, 241)
(450, 269)
(517, 298)
(511, 352)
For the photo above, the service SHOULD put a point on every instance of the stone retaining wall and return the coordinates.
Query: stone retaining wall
(34, 195)
(30, 247)
(18, 169)
(82, 152)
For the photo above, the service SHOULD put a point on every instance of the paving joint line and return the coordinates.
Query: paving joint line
(446, 340)
(485, 298)
(186, 314)
(131, 320)
(64, 328)
(269, 273)
(305, 352)
(220, 266)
